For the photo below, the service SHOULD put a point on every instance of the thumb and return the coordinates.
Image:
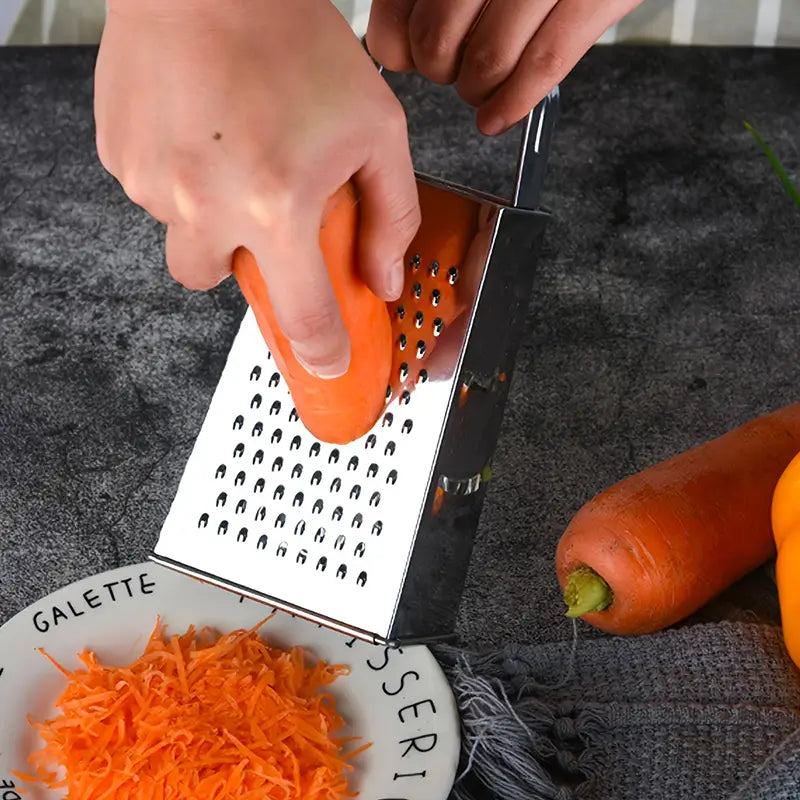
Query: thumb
(390, 214)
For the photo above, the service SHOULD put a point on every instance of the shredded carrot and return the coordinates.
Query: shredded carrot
(197, 716)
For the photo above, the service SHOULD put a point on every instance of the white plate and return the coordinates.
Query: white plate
(397, 699)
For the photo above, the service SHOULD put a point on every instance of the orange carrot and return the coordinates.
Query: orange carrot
(342, 409)
(654, 548)
(390, 346)
(197, 716)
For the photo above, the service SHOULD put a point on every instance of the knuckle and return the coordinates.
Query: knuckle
(488, 61)
(305, 325)
(408, 221)
(432, 45)
(549, 62)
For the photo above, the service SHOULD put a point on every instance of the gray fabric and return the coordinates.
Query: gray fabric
(665, 312)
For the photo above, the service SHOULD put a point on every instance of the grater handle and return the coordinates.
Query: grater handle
(537, 134)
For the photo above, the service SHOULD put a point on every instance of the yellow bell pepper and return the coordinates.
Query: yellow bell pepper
(786, 530)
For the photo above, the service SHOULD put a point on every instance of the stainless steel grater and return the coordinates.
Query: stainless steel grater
(372, 538)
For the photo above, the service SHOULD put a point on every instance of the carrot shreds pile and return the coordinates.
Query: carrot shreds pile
(197, 716)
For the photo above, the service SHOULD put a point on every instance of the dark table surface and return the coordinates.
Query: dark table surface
(666, 310)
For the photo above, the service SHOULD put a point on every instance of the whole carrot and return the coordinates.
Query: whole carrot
(655, 547)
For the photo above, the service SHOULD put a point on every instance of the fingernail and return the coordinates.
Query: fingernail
(395, 280)
(494, 126)
(330, 371)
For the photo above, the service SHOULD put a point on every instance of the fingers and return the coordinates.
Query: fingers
(437, 30)
(496, 44)
(387, 34)
(571, 28)
(390, 214)
(302, 295)
(195, 259)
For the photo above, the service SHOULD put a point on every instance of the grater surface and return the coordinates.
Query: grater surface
(265, 505)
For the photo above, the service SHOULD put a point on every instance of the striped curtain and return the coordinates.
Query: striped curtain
(764, 23)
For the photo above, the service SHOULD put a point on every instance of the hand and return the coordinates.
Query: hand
(503, 55)
(233, 122)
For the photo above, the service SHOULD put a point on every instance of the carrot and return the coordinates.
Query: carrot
(390, 346)
(655, 547)
(341, 409)
(197, 716)
(785, 514)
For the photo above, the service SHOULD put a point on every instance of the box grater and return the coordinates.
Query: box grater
(372, 538)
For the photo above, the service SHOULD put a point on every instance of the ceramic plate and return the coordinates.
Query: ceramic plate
(397, 699)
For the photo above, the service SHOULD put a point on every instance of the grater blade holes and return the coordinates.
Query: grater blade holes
(314, 450)
(255, 373)
(358, 521)
(355, 492)
(372, 440)
(256, 401)
(262, 542)
(377, 528)
(419, 319)
(296, 442)
(242, 535)
(391, 478)
(258, 458)
(452, 275)
(222, 529)
(302, 556)
(322, 564)
(203, 521)
(338, 512)
(340, 542)
(238, 423)
(436, 298)
(407, 426)
(434, 269)
(238, 451)
(415, 262)
(317, 507)
(416, 290)
(298, 500)
(360, 549)
(421, 348)
(375, 499)
(336, 485)
(319, 536)
(277, 464)
(438, 326)
(293, 415)
(333, 458)
(278, 493)
(388, 419)
(402, 341)
(405, 397)
(222, 498)
(422, 376)
(258, 429)
(361, 580)
(276, 437)
(220, 473)
(352, 464)
(261, 514)
(275, 408)
(274, 380)
(300, 528)
(297, 470)
(259, 486)
(403, 371)
(341, 572)
(389, 449)
(241, 506)
(240, 478)
(400, 312)
(316, 478)
(372, 470)
(280, 520)
(282, 548)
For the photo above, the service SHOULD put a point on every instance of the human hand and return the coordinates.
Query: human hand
(233, 122)
(503, 55)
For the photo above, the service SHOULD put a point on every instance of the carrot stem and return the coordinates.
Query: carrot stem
(586, 592)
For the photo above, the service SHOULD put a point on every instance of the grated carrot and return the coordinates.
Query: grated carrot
(197, 716)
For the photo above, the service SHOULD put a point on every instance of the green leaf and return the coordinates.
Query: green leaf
(791, 189)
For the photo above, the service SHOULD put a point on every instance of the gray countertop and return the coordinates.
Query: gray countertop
(666, 310)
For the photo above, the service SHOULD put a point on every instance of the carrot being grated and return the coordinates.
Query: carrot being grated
(197, 716)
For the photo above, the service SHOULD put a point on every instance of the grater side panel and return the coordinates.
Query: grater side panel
(437, 571)
(265, 506)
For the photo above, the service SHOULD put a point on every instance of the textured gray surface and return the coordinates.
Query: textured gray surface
(665, 312)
